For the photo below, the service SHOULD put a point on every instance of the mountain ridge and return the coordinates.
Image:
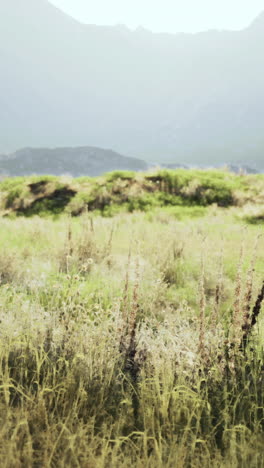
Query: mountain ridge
(124, 28)
(89, 161)
(81, 161)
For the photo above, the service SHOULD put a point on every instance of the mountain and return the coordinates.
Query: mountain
(76, 162)
(184, 98)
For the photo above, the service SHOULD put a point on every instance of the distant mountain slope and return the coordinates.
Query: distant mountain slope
(195, 99)
(77, 162)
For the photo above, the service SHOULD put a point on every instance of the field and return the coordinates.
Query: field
(131, 332)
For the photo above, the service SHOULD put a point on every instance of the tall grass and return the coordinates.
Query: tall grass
(116, 353)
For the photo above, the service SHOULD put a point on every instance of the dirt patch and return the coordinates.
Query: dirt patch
(38, 188)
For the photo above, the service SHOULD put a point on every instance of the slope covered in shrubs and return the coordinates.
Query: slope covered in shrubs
(128, 191)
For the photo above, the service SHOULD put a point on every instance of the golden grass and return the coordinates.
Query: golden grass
(117, 352)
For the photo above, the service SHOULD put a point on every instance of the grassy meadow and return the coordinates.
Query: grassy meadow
(131, 321)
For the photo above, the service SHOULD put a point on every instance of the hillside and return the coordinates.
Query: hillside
(82, 161)
(192, 99)
(182, 192)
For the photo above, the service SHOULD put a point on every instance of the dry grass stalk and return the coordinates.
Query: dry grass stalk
(202, 310)
(236, 319)
(134, 308)
(92, 224)
(254, 317)
(68, 249)
(248, 293)
(110, 241)
(124, 305)
(69, 239)
(129, 312)
(257, 307)
(218, 293)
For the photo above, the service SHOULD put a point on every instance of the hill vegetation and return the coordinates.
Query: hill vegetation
(178, 191)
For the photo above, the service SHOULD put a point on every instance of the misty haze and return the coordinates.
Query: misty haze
(187, 99)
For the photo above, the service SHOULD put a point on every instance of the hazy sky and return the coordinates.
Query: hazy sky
(165, 15)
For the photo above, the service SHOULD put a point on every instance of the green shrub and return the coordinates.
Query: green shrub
(130, 191)
(123, 175)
